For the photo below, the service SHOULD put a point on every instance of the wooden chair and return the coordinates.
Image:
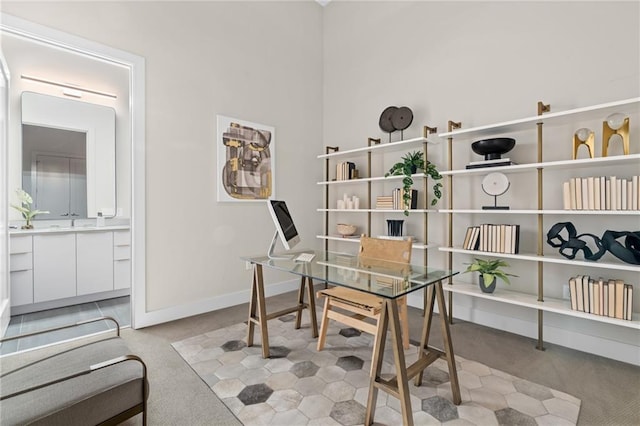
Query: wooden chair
(361, 310)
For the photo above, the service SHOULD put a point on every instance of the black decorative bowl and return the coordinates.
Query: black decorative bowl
(493, 148)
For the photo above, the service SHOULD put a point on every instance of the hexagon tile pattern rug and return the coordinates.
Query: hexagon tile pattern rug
(300, 386)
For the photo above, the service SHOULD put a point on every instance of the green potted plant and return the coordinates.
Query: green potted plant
(412, 162)
(489, 273)
(25, 208)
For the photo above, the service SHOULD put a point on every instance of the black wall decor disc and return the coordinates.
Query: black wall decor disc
(402, 118)
(385, 119)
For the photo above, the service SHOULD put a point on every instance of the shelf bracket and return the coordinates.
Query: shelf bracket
(330, 149)
(372, 141)
(426, 130)
(453, 125)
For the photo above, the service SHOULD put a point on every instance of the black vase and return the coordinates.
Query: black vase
(489, 289)
(394, 227)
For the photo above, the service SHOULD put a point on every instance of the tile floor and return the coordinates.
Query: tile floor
(119, 308)
(301, 386)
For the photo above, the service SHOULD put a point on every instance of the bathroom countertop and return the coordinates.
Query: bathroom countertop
(67, 229)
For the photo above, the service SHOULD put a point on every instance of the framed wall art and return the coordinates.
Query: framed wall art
(245, 160)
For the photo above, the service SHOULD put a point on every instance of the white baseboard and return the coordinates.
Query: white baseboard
(601, 340)
(212, 304)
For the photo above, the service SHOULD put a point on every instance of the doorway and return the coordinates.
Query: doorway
(130, 104)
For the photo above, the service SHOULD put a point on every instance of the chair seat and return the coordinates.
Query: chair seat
(355, 298)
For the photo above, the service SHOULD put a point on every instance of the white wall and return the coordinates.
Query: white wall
(260, 62)
(481, 63)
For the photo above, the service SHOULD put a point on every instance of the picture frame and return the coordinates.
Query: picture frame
(245, 160)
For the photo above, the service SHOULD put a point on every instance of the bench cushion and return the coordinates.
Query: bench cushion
(88, 399)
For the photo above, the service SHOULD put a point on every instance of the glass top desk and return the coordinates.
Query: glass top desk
(388, 280)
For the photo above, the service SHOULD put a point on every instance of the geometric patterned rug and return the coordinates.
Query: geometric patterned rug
(300, 386)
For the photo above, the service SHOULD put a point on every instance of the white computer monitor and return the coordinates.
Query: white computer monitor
(284, 226)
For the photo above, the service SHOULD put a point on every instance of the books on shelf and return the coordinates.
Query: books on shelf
(346, 171)
(490, 163)
(496, 238)
(601, 193)
(398, 201)
(395, 200)
(609, 298)
(384, 202)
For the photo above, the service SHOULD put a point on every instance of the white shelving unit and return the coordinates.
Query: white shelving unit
(538, 301)
(365, 153)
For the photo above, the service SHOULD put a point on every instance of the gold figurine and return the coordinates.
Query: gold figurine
(615, 124)
(586, 137)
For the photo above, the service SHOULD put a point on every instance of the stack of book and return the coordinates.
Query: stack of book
(346, 170)
(601, 193)
(384, 202)
(502, 238)
(490, 163)
(609, 298)
(398, 201)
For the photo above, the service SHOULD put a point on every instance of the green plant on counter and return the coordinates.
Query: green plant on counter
(490, 270)
(25, 208)
(412, 162)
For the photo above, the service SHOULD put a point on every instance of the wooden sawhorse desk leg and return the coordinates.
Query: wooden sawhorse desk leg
(397, 386)
(433, 354)
(258, 309)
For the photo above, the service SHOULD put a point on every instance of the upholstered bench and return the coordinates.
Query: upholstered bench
(99, 382)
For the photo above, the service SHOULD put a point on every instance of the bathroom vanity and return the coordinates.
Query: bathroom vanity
(60, 266)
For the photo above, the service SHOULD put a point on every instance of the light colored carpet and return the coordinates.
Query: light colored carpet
(300, 386)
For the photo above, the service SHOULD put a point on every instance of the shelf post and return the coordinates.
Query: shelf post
(426, 130)
(450, 127)
(328, 150)
(542, 108)
(370, 142)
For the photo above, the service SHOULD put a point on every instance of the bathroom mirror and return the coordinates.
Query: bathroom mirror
(68, 156)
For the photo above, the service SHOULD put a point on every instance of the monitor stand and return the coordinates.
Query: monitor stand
(273, 246)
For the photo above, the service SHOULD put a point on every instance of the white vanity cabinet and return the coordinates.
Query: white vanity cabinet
(51, 268)
(54, 266)
(121, 259)
(94, 254)
(21, 269)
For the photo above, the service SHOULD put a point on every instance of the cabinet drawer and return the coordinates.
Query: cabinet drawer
(121, 274)
(21, 287)
(20, 244)
(121, 252)
(121, 238)
(20, 262)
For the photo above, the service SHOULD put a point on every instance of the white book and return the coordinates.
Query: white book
(572, 190)
(629, 195)
(585, 194)
(596, 193)
(508, 235)
(590, 193)
(578, 194)
(614, 197)
(634, 193)
(603, 193)
(494, 238)
(601, 291)
(566, 196)
(629, 288)
(619, 194)
(608, 195)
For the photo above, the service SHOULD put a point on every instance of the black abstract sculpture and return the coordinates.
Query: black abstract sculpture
(629, 252)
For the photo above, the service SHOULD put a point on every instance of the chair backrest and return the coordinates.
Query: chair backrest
(387, 250)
